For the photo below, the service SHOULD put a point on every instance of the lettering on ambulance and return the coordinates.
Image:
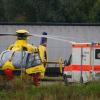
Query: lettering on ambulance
(86, 55)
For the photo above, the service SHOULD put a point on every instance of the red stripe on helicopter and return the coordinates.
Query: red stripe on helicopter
(78, 68)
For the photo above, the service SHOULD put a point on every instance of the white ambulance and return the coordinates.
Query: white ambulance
(84, 63)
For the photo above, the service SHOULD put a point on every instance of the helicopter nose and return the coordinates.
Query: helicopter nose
(9, 73)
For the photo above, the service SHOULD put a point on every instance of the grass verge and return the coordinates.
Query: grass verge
(25, 91)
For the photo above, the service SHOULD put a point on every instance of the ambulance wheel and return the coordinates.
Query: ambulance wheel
(65, 79)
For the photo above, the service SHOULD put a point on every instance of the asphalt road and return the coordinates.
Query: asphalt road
(52, 80)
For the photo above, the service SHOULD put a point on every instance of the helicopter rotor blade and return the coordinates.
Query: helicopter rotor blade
(63, 37)
(12, 35)
(7, 34)
(53, 37)
(59, 38)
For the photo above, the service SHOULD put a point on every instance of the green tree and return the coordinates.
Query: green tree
(71, 11)
(94, 14)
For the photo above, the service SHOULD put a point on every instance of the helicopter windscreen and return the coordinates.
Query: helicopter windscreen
(20, 59)
(4, 56)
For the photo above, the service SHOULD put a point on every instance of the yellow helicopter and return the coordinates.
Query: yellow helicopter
(22, 56)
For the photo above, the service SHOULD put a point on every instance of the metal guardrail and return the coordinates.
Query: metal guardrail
(50, 24)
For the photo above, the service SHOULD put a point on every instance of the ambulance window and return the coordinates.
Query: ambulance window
(97, 54)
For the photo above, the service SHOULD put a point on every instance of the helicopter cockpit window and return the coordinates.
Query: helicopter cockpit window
(25, 59)
(33, 60)
(4, 56)
(20, 59)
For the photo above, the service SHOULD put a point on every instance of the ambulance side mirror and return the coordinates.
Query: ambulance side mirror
(65, 62)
